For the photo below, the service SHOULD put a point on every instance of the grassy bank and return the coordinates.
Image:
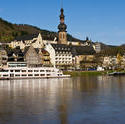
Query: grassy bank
(84, 73)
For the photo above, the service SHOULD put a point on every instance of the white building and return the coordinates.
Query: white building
(110, 61)
(60, 55)
(36, 40)
(97, 47)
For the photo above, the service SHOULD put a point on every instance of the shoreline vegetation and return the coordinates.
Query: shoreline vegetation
(84, 73)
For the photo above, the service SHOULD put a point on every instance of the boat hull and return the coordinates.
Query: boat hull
(116, 74)
(45, 77)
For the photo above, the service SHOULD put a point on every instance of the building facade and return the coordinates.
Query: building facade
(3, 57)
(31, 57)
(44, 58)
(60, 55)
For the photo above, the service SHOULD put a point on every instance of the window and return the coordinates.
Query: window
(5, 75)
(30, 75)
(41, 70)
(63, 36)
(42, 75)
(36, 74)
(6, 70)
(23, 70)
(17, 70)
(36, 70)
(30, 70)
(11, 70)
(24, 75)
(48, 70)
(17, 75)
(48, 74)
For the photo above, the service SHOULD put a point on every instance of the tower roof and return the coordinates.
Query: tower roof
(62, 26)
(62, 13)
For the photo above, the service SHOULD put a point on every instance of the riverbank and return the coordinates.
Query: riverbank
(84, 73)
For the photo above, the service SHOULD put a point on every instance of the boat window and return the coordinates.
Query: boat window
(5, 75)
(11, 70)
(17, 75)
(42, 75)
(48, 74)
(48, 70)
(30, 70)
(59, 74)
(6, 70)
(30, 75)
(24, 75)
(36, 74)
(36, 70)
(17, 70)
(3, 70)
(41, 70)
(23, 70)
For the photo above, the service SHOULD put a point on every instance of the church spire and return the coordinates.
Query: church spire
(62, 28)
(62, 17)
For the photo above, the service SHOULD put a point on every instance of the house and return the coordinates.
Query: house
(3, 57)
(97, 47)
(44, 57)
(31, 56)
(83, 55)
(36, 57)
(15, 55)
(26, 40)
(110, 62)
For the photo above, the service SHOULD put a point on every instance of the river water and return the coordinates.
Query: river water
(80, 100)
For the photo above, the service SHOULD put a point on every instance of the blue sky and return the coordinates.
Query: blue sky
(101, 20)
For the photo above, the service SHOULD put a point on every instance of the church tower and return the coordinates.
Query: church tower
(62, 33)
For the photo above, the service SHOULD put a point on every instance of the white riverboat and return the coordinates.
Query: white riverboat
(21, 71)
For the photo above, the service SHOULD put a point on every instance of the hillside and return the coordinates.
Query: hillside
(9, 31)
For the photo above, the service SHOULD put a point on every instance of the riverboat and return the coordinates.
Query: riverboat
(116, 74)
(24, 72)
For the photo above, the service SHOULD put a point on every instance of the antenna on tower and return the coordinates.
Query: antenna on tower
(61, 3)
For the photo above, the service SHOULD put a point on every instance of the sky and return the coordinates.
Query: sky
(100, 20)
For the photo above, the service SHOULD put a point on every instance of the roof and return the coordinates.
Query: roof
(61, 47)
(37, 50)
(83, 50)
(26, 49)
(76, 50)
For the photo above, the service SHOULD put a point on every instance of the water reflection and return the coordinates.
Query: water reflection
(76, 100)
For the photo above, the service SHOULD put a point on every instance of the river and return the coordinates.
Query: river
(79, 100)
